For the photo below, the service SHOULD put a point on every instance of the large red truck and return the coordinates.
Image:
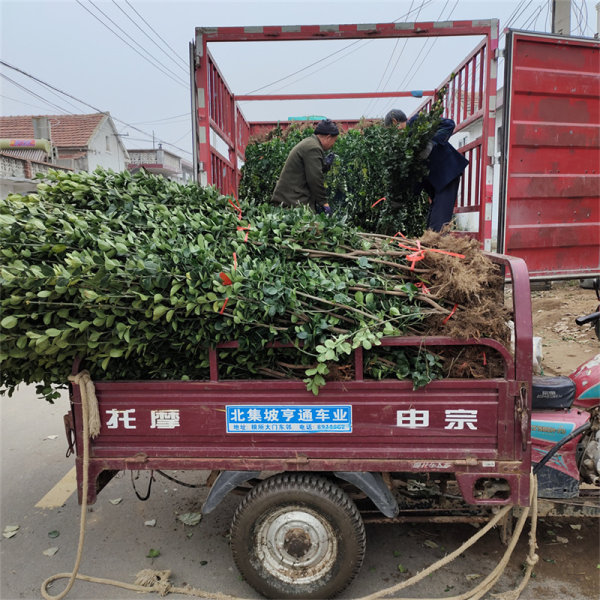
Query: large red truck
(532, 188)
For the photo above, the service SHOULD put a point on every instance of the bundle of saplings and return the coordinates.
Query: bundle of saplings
(372, 162)
(139, 276)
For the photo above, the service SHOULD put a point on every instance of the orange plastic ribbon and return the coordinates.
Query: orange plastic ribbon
(246, 229)
(451, 313)
(430, 250)
(234, 262)
(484, 359)
(378, 201)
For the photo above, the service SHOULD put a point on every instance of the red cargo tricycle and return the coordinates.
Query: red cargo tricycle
(316, 467)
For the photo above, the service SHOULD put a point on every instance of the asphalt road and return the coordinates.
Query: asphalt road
(118, 540)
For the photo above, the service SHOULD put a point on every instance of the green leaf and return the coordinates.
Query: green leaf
(159, 311)
(153, 553)
(9, 322)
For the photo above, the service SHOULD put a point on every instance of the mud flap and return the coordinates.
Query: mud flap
(224, 483)
(372, 485)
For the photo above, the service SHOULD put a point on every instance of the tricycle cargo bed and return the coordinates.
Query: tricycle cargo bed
(462, 426)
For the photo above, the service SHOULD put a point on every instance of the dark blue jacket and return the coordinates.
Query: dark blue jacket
(445, 162)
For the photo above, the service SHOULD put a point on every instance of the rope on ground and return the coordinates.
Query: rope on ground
(153, 581)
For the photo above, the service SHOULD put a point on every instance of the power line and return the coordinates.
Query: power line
(361, 44)
(167, 73)
(185, 70)
(25, 89)
(187, 114)
(533, 19)
(167, 70)
(328, 56)
(154, 31)
(379, 86)
(21, 102)
(388, 103)
(406, 81)
(2, 62)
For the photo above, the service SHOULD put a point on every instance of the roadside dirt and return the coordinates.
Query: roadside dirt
(564, 344)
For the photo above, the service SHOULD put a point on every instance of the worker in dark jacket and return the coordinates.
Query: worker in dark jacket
(446, 165)
(302, 180)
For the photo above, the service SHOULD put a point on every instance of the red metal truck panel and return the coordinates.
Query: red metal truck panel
(388, 420)
(552, 154)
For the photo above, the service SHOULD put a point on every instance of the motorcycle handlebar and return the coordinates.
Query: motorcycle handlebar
(587, 318)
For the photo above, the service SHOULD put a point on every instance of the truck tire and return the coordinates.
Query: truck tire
(298, 535)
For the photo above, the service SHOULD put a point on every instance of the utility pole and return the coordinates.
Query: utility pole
(561, 17)
(597, 20)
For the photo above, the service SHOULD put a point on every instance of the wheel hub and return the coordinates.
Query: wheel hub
(297, 542)
(296, 545)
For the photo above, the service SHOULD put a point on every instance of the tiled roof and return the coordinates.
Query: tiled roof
(26, 154)
(67, 131)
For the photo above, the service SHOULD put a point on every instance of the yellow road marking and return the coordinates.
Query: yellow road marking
(60, 493)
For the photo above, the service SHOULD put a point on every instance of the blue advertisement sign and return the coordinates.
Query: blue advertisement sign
(334, 418)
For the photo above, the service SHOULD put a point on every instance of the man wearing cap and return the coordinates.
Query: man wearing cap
(446, 166)
(302, 177)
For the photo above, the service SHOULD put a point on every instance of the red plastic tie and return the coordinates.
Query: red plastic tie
(236, 207)
(451, 313)
(378, 201)
(484, 359)
(424, 288)
(400, 234)
(225, 279)
(224, 305)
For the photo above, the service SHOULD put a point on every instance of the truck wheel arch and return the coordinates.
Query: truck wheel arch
(372, 484)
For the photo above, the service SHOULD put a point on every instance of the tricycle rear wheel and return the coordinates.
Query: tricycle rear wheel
(298, 536)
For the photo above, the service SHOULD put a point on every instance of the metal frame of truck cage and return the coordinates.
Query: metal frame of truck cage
(471, 95)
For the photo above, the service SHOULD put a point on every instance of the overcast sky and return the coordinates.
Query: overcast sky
(130, 57)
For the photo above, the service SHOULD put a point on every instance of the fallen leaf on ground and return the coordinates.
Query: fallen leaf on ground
(190, 518)
(430, 544)
(10, 531)
(53, 534)
(50, 551)
(472, 576)
(116, 500)
(562, 540)
(152, 553)
(402, 568)
(576, 527)
(150, 523)
(50, 437)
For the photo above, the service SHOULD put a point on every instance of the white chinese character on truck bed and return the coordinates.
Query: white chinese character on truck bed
(121, 416)
(412, 418)
(164, 419)
(457, 418)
